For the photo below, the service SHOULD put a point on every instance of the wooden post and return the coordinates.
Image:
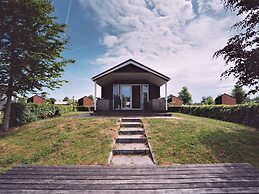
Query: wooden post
(95, 98)
(166, 97)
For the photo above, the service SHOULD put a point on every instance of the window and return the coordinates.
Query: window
(116, 97)
(145, 93)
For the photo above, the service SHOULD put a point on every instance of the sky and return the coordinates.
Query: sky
(175, 37)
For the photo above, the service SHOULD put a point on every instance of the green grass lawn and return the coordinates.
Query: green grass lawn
(59, 141)
(201, 140)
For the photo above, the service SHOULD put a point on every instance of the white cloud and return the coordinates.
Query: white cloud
(109, 40)
(169, 37)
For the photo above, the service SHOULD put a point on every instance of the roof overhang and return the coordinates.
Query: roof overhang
(148, 74)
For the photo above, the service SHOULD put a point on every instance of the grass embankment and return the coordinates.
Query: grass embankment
(59, 141)
(201, 140)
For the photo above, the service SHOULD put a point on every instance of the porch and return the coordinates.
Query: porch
(153, 106)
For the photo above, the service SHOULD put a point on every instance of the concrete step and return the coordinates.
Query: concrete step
(131, 124)
(131, 139)
(131, 131)
(131, 120)
(131, 149)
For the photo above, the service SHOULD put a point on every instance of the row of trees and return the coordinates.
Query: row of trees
(238, 93)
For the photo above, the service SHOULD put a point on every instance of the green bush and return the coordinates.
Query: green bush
(247, 114)
(85, 108)
(22, 113)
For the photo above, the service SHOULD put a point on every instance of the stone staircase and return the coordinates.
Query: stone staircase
(131, 144)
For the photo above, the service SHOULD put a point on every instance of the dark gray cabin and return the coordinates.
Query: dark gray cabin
(130, 86)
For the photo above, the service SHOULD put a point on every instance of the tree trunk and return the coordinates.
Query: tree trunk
(7, 113)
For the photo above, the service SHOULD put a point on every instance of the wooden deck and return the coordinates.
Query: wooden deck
(208, 178)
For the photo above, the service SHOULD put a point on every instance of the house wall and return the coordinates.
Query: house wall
(225, 99)
(36, 100)
(85, 101)
(176, 101)
(228, 100)
(107, 90)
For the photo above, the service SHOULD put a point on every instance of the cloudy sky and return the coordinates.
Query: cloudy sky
(175, 37)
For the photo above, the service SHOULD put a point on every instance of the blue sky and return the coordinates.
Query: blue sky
(175, 37)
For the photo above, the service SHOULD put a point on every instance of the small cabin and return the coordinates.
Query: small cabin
(36, 100)
(85, 101)
(130, 86)
(225, 99)
(175, 101)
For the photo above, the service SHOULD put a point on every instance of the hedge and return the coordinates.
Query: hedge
(247, 114)
(85, 108)
(22, 113)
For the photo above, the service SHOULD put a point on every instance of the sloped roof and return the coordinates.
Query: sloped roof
(143, 69)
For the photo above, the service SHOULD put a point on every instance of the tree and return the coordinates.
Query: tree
(239, 94)
(91, 97)
(242, 49)
(207, 100)
(51, 100)
(255, 99)
(31, 49)
(66, 99)
(44, 95)
(22, 100)
(185, 96)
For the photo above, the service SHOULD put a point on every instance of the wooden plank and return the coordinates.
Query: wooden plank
(128, 186)
(183, 179)
(130, 172)
(140, 181)
(111, 177)
(176, 167)
(160, 191)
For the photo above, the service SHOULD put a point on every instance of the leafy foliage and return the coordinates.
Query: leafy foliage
(25, 113)
(185, 96)
(245, 114)
(85, 108)
(239, 94)
(91, 97)
(207, 100)
(51, 100)
(31, 49)
(242, 49)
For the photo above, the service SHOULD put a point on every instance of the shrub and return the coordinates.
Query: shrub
(85, 108)
(247, 114)
(22, 113)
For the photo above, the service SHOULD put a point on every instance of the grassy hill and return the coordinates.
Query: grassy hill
(59, 141)
(192, 139)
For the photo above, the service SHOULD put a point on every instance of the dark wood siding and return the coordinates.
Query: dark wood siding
(154, 91)
(131, 68)
(107, 90)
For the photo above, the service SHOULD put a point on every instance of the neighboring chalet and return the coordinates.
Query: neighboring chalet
(85, 101)
(130, 86)
(175, 101)
(36, 100)
(225, 99)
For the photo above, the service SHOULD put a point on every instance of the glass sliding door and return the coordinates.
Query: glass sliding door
(116, 97)
(126, 97)
(130, 96)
